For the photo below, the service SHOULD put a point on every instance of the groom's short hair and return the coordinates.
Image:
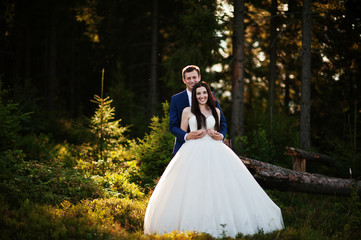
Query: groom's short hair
(190, 68)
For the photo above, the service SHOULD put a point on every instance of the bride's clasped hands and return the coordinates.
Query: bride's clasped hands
(202, 132)
(214, 134)
(196, 134)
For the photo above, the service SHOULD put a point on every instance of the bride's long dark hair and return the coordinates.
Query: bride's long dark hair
(201, 119)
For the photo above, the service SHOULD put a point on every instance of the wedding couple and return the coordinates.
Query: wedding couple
(206, 187)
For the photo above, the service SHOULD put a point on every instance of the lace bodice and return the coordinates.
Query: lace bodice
(210, 122)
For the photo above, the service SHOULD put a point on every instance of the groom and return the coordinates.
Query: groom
(191, 75)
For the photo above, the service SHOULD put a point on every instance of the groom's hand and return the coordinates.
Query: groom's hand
(196, 134)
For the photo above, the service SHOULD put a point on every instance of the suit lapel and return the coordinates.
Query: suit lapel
(185, 99)
(182, 103)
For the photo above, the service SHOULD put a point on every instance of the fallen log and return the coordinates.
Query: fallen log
(300, 156)
(312, 156)
(283, 179)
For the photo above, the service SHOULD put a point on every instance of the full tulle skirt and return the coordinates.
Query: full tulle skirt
(207, 188)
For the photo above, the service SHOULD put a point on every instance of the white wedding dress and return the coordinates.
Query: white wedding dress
(207, 188)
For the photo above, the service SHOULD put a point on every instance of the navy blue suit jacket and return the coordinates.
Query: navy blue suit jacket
(178, 102)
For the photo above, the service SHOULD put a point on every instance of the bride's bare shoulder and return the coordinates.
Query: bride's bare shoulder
(187, 112)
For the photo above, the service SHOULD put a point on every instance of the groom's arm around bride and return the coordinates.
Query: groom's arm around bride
(190, 76)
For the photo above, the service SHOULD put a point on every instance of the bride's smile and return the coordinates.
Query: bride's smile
(202, 95)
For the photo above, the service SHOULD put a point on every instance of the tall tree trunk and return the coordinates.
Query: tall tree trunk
(289, 16)
(305, 137)
(272, 52)
(153, 71)
(251, 94)
(237, 121)
(73, 108)
(20, 31)
(287, 93)
(28, 54)
(52, 58)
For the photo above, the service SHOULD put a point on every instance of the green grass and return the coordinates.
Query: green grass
(52, 190)
(306, 216)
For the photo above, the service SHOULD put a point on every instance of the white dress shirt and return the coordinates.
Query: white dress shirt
(189, 97)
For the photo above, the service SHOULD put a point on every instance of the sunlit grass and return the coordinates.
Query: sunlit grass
(306, 216)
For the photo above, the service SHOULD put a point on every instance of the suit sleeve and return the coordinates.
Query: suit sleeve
(223, 123)
(174, 122)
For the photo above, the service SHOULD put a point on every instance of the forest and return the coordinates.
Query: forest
(85, 87)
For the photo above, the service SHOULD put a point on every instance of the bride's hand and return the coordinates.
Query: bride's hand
(214, 134)
(196, 134)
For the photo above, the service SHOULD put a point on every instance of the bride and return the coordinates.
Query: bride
(206, 187)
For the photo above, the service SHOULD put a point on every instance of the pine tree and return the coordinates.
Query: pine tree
(107, 132)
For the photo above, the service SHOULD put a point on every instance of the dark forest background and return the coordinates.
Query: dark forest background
(85, 87)
(53, 52)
